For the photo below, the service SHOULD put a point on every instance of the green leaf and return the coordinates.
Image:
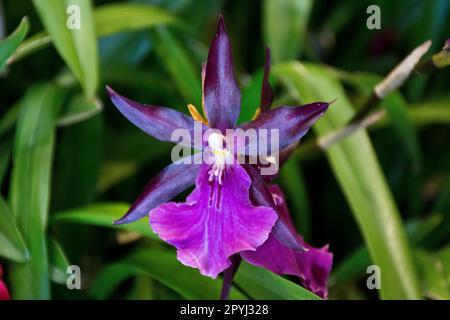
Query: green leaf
(163, 266)
(32, 44)
(361, 179)
(109, 19)
(132, 150)
(441, 206)
(110, 277)
(352, 267)
(262, 284)
(5, 155)
(434, 273)
(284, 26)
(251, 96)
(10, 44)
(58, 262)
(79, 109)
(431, 112)
(78, 161)
(103, 215)
(397, 109)
(12, 245)
(113, 172)
(355, 264)
(77, 46)
(179, 65)
(30, 187)
(160, 268)
(119, 17)
(292, 181)
(9, 118)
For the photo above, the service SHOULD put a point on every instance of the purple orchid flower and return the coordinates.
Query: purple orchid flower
(311, 266)
(231, 213)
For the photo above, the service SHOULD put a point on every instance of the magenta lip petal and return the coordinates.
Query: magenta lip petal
(159, 122)
(169, 182)
(313, 267)
(222, 97)
(292, 123)
(216, 222)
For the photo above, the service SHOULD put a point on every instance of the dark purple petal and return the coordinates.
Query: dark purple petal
(312, 267)
(216, 222)
(222, 96)
(292, 123)
(228, 276)
(283, 156)
(171, 181)
(203, 87)
(266, 89)
(159, 122)
(261, 195)
(259, 165)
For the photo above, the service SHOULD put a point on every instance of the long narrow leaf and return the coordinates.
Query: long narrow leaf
(30, 187)
(12, 245)
(260, 284)
(119, 17)
(103, 215)
(179, 65)
(109, 19)
(162, 266)
(358, 172)
(285, 25)
(58, 262)
(70, 24)
(10, 44)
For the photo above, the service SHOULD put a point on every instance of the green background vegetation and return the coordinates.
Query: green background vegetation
(70, 163)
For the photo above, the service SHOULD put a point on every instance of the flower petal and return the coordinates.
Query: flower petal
(222, 97)
(4, 294)
(216, 221)
(159, 122)
(266, 89)
(171, 181)
(292, 123)
(261, 195)
(312, 267)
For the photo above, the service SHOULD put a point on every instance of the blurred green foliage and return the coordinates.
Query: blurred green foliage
(70, 164)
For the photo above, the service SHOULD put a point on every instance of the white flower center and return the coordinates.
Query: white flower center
(220, 156)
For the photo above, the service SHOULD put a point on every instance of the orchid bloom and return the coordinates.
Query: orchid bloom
(4, 294)
(231, 213)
